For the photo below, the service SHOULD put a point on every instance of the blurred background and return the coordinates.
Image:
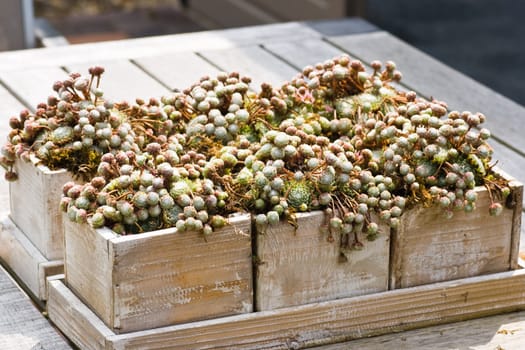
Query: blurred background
(484, 39)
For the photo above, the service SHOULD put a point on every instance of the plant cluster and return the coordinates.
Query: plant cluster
(71, 130)
(336, 138)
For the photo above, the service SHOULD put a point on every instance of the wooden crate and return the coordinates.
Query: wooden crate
(159, 278)
(34, 204)
(302, 326)
(428, 248)
(25, 260)
(301, 267)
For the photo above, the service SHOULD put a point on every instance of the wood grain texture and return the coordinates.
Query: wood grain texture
(34, 202)
(88, 266)
(22, 325)
(10, 106)
(75, 319)
(516, 236)
(295, 268)
(319, 323)
(302, 53)
(429, 248)
(158, 45)
(48, 269)
(177, 70)
(252, 61)
(122, 80)
(25, 261)
(20, 255)
(32, 85)
(505, 332)
(159, 278)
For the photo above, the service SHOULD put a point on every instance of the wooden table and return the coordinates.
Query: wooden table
(157, 65)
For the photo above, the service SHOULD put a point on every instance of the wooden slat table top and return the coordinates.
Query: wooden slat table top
(154, 66)
(22, 327)
(503, 332)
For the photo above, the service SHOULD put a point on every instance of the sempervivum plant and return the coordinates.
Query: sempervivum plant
(345, 141)
(218, 111)
(191, 147)
(137, 193)
(71, 131)
(336, 138)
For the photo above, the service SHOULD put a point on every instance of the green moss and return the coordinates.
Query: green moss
(82, 163)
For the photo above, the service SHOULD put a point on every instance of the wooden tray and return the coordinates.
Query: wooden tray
(303, 326)
(25, 260)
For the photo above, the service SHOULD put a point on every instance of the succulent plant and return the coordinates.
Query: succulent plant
(71, 130)
(337, 137)
(138, 193)
(345, 141)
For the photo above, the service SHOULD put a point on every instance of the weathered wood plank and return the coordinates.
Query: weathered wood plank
(345, 319)
(428, 248)
(32, 85)
(34, 202)
(254, 62)
(163, 277)
(302, 53)
(75, 319)
(496, 332)
(22, 326)
(159, 45)
(25, 261)
(20, 255)
(296, 267)
(177, 70)
(318, 323)
(10, 106)
(87, 264)
(516, 223)
(430, 77)
(48, 269)
(122, 80)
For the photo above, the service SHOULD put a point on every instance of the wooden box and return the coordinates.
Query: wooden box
(160, 278)
(429, 248)
(34, 205)
(295, 268)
